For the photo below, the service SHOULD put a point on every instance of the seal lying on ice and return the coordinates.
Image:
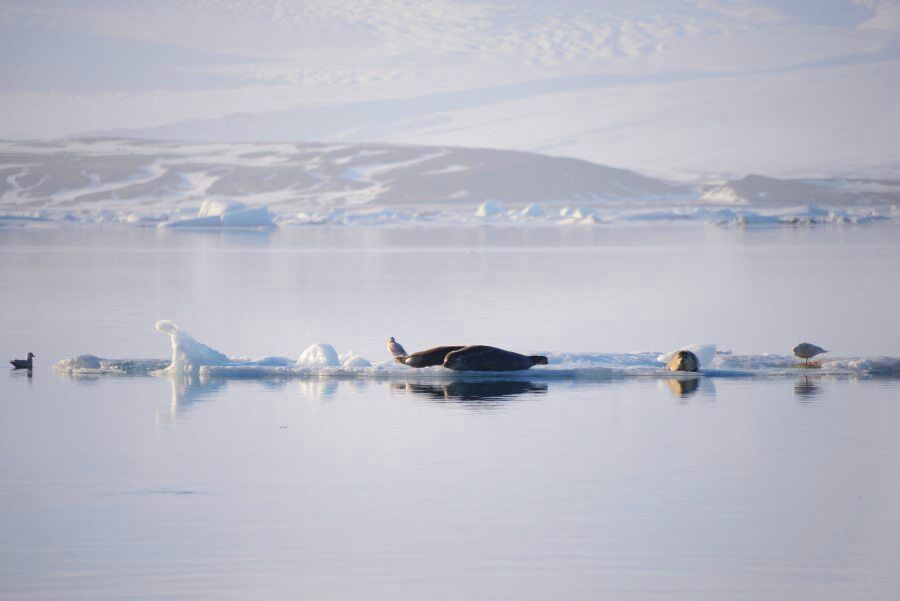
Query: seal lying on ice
(683, 361)
(427, 358)
(489, 358)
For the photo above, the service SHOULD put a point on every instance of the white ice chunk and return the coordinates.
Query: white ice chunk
(188, 355)
(222, 213)
(319, 355)
(533, 210)
(351, 359)
(79, 362)
(705, 353)
(489, 208)
(874, 365)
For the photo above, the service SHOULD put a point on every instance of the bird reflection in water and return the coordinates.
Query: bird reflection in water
(806, 388)
(21, 374)
(481, 391)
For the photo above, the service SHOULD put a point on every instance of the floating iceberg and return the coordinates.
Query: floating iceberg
(489, 208)
(188, 355)
(533, 211)
(225, 214)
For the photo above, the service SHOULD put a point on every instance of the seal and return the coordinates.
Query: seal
(427, 358)
(683, 361)
(489, 358)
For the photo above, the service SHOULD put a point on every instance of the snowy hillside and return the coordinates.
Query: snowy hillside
(142, 175)
(261, 185)
(761, 191)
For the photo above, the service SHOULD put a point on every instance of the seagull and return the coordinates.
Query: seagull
(395, 348)
(807, 351)
(22, 363)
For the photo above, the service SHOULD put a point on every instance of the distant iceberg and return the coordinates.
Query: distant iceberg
(225, 214)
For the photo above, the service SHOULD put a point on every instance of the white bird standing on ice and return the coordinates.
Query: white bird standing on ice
(23, 363)
(395, 348)
(807, 351)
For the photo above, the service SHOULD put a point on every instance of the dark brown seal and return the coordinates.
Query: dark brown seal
(427, 358)
(489, 358)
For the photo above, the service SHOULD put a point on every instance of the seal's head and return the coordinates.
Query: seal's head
(683, 361)
(539, 360)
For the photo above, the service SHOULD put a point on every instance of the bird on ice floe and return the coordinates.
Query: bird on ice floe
(395, 348)
(22, 363)
(807, 351)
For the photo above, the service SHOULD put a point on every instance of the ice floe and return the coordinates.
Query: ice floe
(321, 360)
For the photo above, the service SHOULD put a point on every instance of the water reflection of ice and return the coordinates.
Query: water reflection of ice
(187, 390)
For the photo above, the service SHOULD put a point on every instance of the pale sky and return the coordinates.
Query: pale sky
(669, 87)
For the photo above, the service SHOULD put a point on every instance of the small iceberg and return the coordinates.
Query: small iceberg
(319, 355)
(225, 214)
(188, 355)
(489, 208)
(533, 211)
(351, 359)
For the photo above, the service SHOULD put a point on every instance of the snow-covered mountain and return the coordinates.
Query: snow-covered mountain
(134, 174)
(761, 191)
(260, 184)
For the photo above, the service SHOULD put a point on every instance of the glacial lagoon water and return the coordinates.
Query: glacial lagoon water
(781, 487)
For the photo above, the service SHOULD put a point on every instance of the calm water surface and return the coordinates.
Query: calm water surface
(783, 488)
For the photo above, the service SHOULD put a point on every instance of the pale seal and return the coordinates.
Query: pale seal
(489, 358)
(683, 361)
(427, 358)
